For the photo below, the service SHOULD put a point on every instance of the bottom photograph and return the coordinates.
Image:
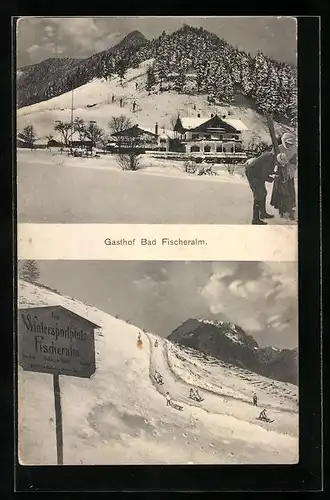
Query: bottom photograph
(157, 363)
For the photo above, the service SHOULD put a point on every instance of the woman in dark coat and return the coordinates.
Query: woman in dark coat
(284, 194)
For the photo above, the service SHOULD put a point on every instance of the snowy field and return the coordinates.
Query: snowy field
(119, 416)
(54, 188)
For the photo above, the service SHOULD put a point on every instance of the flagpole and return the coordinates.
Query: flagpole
(71, 120)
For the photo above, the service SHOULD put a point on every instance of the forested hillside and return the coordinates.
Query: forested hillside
(54, 77)
(190, 60)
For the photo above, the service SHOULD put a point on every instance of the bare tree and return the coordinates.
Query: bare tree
(49, 138)
(104, 142)
(128, 158)
(118, 124)
(64, 128)
(94, 133)
(231, 167)
(28, 270)
(80, 127)
(29, 135)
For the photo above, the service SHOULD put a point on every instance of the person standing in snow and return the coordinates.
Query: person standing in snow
(255, 400)
(113, 98)
(168, 399)
(284, 195)
(258, 171)
(136, 86)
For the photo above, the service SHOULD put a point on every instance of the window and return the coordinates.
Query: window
(162, 141)
(195, 149)
(219, 149)
(195, 136)
(207, 136)
(207, 149)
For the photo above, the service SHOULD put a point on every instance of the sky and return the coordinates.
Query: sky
(261, 297)
(39, 38)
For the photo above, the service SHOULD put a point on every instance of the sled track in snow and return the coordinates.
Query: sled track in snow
(210, 391)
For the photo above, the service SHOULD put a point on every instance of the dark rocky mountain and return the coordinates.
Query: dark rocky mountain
(229, 342)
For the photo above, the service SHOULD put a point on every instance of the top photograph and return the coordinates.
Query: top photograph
(156, 120)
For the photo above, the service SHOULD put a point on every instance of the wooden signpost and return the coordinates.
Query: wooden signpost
(54, 340)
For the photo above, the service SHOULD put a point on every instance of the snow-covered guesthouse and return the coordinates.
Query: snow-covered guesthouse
(210, 135)
(135, 136)
(146, 138)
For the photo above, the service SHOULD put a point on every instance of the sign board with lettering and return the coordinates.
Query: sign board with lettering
(54, 340)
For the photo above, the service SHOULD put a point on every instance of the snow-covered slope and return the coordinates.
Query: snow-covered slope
(157, 107)
(119, 416)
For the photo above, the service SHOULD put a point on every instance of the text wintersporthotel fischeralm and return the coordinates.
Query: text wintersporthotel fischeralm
(32, 325)
(155, 242)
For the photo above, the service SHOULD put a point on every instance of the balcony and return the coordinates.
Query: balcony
(212, 137)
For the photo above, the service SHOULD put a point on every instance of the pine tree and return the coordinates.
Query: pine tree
(292, 98)
(224, 88)
(270, 94)
(180, 81)
(29, 271)
(151, 80)
(261, 84)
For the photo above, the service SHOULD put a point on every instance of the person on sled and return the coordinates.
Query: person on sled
(194, 394)
(158, 377)
(263, 415)
(197, 395)
(156, 343)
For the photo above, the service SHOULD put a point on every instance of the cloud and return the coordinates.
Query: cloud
(85, 35)
(260, 297)
(159, 296)
(76, 37)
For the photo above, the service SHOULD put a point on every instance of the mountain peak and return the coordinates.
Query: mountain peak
(134, 36)
(230, 343)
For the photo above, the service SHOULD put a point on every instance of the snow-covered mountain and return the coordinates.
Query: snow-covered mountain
(230, 343)
(119, 415)
(218, 69)
(181, 71)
